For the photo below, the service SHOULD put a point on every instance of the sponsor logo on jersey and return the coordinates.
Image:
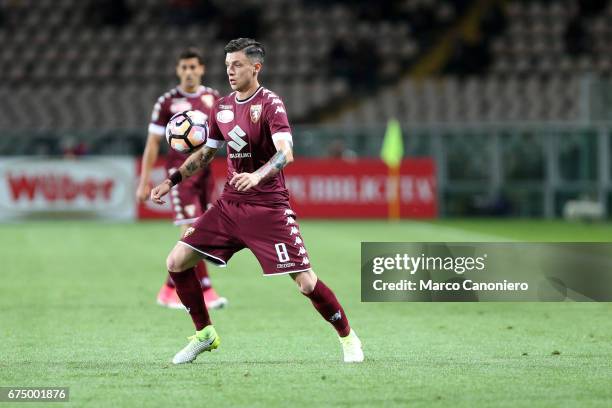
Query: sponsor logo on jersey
(221, 107)
(298, 241)
(305, 261)
(279, 109)
(255, 112)
(237, 134)
(208, 100)
(302, 251)
(290, 221)
(179, 105)
(225, 116)
(276, 101)
(285, 265)
(239, 155)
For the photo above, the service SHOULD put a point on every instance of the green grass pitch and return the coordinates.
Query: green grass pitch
(77, 309)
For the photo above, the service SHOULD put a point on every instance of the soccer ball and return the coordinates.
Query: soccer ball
(186, 131)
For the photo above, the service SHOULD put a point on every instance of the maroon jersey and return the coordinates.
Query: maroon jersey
(175, 101)
(250, 128)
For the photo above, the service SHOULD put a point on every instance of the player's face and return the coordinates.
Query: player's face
(241, 71)
(190, 72)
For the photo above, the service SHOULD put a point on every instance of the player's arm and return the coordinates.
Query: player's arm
(149, 157)
(194, 163)
(280, 160)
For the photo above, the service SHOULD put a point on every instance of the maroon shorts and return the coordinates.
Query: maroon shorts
(190, 198)
(270, 232)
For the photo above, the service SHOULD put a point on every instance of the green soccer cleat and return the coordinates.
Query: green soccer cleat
(204, 340)
(351, 346)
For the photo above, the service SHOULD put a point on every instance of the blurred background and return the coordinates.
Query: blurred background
(505, 107)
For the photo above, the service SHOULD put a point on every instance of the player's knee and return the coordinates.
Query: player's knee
(306, 282)
(174, 263)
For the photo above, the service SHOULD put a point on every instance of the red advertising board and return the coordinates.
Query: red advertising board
(323, 188)
(361, 188)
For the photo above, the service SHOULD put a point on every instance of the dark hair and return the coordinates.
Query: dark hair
(252, 49)
(191, 53)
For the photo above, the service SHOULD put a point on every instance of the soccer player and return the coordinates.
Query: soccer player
(253, 211)
(189, 199)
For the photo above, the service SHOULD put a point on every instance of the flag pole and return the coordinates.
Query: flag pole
(394, 198)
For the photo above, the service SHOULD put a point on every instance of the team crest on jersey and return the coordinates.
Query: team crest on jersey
(180, 105)
(208, 100)
(255, 113)
(188, 232)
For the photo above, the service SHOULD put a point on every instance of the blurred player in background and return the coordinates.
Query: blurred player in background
(190, 199)
(254, 210)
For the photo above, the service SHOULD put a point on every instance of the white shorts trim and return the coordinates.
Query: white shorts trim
(213, 259)
(288, 272)
(282, 136)
(214, 143)
(157, 129)
(187, 221)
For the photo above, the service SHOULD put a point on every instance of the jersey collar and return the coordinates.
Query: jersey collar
(241, 101)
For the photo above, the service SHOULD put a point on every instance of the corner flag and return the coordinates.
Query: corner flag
(393, 147)
(391, 153)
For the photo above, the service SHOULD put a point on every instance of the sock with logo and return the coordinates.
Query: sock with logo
(324, 300)
(189, 291)
(202, 273)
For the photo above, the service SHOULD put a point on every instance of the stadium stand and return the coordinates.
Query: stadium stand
(533, 70)
(60, 58)
(82, 65)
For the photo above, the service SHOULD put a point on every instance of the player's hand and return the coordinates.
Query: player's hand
(142, 192)
(244, 181)
(161, 190)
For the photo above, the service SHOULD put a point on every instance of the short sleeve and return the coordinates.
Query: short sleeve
(215, 137)
(277, 121)
(159, 117)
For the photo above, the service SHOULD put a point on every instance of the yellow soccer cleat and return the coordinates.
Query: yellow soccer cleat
(204, 340)
(351, 346)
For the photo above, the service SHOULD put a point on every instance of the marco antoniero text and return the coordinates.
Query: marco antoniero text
(409, 285)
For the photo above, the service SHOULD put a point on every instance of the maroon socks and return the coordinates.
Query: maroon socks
(202, 274)
(189, 291)
(324, 300)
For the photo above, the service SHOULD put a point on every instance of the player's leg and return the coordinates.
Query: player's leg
(281, 250)
(212, 298)
(180, 264)
(325, 302)
(212, 236)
